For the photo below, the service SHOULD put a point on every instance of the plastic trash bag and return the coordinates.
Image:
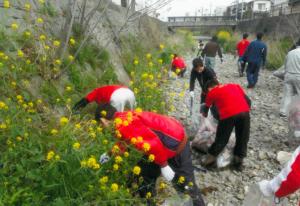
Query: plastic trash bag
(294, 120)
(254, 197)
(206, 136)
(279, 73)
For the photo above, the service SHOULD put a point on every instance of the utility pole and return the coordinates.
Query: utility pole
(237, 10)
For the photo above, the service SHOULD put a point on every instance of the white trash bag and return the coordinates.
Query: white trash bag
(254, 197)
(206, 136)
(294, 121)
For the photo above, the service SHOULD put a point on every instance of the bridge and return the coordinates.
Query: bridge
(195, 23)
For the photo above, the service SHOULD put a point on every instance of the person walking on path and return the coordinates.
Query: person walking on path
(286, 182)
(210, 51)
(291, 79)
(163, 141)
(233, 106)
(178, 65)
(116, 95)
(240, 50)
(255, 56)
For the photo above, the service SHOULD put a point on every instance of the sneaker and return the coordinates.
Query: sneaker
(281, 114)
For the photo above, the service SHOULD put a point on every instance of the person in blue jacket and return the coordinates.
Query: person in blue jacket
(255, 55)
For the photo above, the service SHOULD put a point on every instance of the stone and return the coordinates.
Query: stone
(283, 157)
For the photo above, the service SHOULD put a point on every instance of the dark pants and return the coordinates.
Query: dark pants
(241, 122)
(241, 65)
(182, 166)
(252, 73)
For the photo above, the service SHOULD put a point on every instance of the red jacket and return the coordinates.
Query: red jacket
(102, 94)
(242, 46)
(161, 133)
(230, 100)
(179, 63)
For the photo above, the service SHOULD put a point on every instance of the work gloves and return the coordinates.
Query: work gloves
(192, 95)
(167, 173)
(82, 103)
(104, 158)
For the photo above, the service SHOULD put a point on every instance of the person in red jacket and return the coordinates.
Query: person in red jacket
(116, 95)
(233, 106)
(178, 63)
(240, 50)
(286, 182)
(160, 138)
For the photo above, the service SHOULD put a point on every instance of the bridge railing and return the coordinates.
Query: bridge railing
(192, 21)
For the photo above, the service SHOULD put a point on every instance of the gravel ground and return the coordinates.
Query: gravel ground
(268, 134)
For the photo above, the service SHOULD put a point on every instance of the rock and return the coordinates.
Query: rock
(283, 157)
(262, 155)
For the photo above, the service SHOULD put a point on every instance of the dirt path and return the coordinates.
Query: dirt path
(268, 133)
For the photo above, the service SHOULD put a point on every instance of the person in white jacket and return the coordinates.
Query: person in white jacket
(291, 79)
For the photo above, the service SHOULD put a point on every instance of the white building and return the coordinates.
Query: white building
(260, 6)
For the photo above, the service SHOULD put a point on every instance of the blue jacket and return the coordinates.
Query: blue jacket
(256, 53)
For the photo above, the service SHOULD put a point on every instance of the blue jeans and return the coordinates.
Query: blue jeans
(252, 73)
(210, 62)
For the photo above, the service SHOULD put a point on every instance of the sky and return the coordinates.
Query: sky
(191, 7)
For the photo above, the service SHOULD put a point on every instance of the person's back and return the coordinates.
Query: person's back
(210, 49)
(256, 52)
(103, 94)
(292, 64)
(242, 46)
(178, 62)
(229, 100)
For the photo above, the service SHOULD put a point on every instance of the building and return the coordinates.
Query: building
(295, 6)
(237, 10)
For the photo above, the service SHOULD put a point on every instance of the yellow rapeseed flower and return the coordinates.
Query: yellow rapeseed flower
(78, 126)
(39, 20)
(133, 140)
(50, 155)
(96, 166)
(118, 159)
(160, 61)
(138, 110)
(115, 149)
(2, 105)
(148, 195)
(103, 180)
(19, 138)
(118, 122)
(27, 7)
(57, 62)
(76, 145)
(14, 26)
(99, 129)
(28, 61)
(83, 163)
(172, 56)
(57, 157)
(146, 147)
(151, 157)
(151, 77)
(6, 4)
(54, 132)
(20, 53)
(91, 162)
(43, 37)
(68, 88)
(103, 113)
(161, 46)
(19, 97)
(72, 41)
(148, 56)
(105, 141)
(136, 170)
(64, 120)
(136, 62)
(71, 58)
(41, 1)
(162, 185)
(114, 187)
(56, 43)
(126, 154)
(115, 167)
(150, 64)
(3, 126)
(181, 180)
(27, 34)
(93, 135)
(46, 47)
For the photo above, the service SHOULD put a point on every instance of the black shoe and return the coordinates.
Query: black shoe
(237, 164)
(208, 161)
